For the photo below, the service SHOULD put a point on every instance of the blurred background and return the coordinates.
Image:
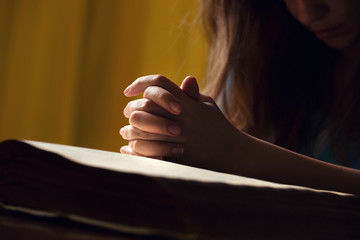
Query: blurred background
(65, 63)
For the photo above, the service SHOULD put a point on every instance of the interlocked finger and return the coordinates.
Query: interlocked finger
(156, 148)
(151, 123)
(140, 84)
(145, 105)
(131, 133)
(163, 98)
(129, 151)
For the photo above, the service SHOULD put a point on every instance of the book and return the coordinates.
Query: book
(149, 197)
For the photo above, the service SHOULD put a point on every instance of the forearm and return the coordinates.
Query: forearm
(266, 161)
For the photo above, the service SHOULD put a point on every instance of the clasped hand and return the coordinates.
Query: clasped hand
(177, 123)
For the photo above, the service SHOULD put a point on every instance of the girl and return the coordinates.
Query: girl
(285, 75)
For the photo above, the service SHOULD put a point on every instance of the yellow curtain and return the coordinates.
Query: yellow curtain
(65, 63)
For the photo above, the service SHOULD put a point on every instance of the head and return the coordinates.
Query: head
(266, 70)
(266, 56)
(335, 22)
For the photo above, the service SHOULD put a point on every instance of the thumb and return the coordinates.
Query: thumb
(190, 87)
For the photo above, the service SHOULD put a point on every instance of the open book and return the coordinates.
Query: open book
(157, 198)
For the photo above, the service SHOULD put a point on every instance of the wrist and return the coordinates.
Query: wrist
(237, 153)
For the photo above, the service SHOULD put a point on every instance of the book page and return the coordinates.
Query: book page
(152, 167)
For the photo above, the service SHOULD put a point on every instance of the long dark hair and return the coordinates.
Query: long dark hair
(273, 78)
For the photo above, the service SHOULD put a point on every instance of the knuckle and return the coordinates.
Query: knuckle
(159, 79)
(143, 135)
(126, 110)
(124, 133)
(147, 104)
(135, 145)
(135, 117)
(148, 92)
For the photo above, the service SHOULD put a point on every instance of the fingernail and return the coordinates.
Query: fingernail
(127, 90)
(124, 150)
(178, 151)
(174, 129)
(175, 107)
(123, 131)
